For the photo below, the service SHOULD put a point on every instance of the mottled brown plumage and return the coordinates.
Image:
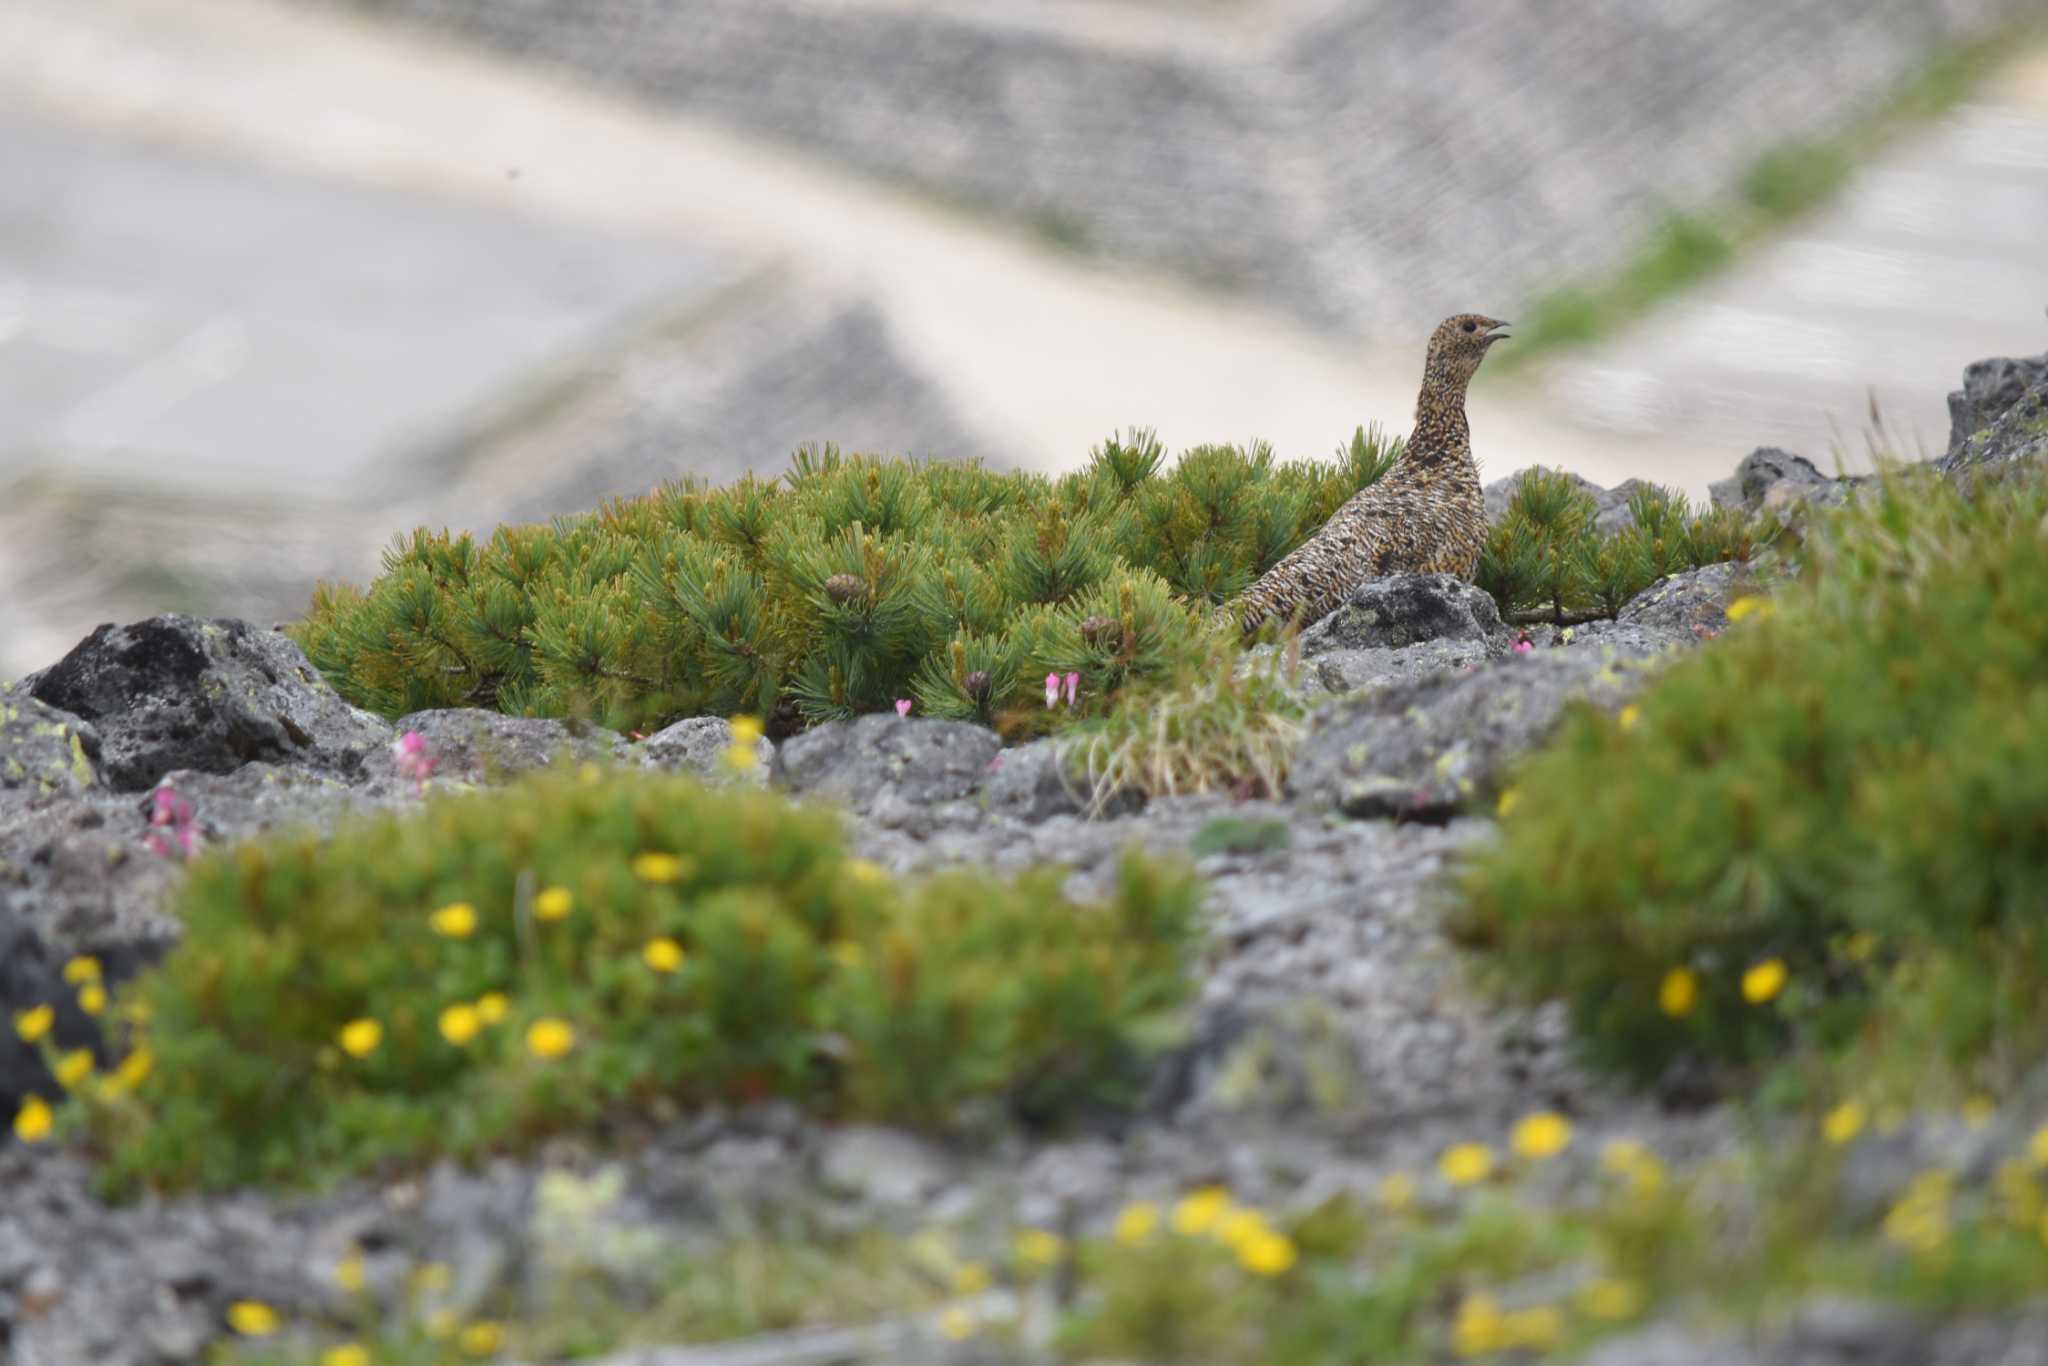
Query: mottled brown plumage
(1423, 516)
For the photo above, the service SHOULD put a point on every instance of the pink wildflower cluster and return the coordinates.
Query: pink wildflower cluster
(1523, 644)
(173, 828)
(1053, 689)
(409, 753)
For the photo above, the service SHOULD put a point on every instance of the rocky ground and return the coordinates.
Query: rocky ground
(1333, 1039)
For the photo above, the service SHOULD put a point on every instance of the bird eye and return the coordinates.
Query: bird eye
(1471, 327)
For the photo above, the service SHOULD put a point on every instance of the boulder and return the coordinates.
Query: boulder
(1691, 603)
(178, 692)
(2015, 434)
(1771, 478)
(1346, 671)
(1990, 389)
(1032, 783)
(1422, 750)
(1611, 505)
(888, 761)
(43, 751)
(1406, 609)
(700, 745)
(470, 745)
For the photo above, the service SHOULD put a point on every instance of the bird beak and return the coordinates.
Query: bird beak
(1494, 333)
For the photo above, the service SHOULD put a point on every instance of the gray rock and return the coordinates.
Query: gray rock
(1611, 505)
(2017, 435)
(1688, 603)
(1990, 388)
(1032, 783)
(1405, 609)
(176, 692)
(43, 751)
(1771, 478)
(881, 1166)
(1345, 671)
(882, 760)
(1670, 1344)
(470, 745)
(1425, 749)
(699, 744)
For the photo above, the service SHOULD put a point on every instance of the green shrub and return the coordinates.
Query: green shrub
(848, 584)
(1854, 785)
(1546, 559)
(696, 946)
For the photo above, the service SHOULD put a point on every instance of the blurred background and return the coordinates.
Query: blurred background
(280, 278)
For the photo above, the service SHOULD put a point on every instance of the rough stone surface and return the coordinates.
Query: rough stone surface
(1769, 477)
(468, 744)
(1345, 671)
(1032, 783)
(892, 769)
(176, 692)
(1691, 601)
(2017, 435)
(700, 744)
(1425, 749)
(1990, 388)
(881, 1166)
(44, 751)
(1611, 505)
(1406, 609)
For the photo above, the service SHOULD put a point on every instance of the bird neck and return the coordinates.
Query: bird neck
(1440, 428)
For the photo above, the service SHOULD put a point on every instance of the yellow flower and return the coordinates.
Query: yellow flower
(252, 1318)
(84, 968)
(1479, 1328)
(1397, 1192)
(1628, 716)
(741, 757)
(1466, 1163)
(1239, 1227)
(971, 1279)
(553, 903)
(1678, 993)
(32, 1121)
(1539, 1327)
(136, 1012)
(92, 998)
(1269, 1254)
(1611, 1300)
(663, 954)
(550, 1038)
(491, 1007)
(1627, 1158)
(1842, 1123)
(33, 1023)
(457, 920)
(74, 1067)
(589, 774)
(1510, 798)
(956, 1324)
(1763, 981)
(2037, 1146)
(441, 1324)
(1919, 1221)
(866, 870)
(1979, 1111)
(460, 1023)
(431, 1277)
(359, 1038)
(347, 1354)
(1543, 1134)
(1860, 947)
(1039, 1247)
(134, 1069)
(1748, 606)
(1134, 1223)
(348, 1273)
(481, 1338)
(1198, 1211)
(745, 729)
(657, 867)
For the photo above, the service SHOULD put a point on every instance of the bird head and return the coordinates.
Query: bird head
(1460, 343)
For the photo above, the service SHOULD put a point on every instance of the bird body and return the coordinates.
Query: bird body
(1425, 515)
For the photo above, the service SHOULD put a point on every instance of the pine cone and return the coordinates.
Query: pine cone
(846, 588)
(1103, 631)
(976, 684)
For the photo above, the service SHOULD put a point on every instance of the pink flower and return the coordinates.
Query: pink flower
(1523, 644)
(172, 830)
(903, 706)
(1073, 688)
(409, 755)
(1052, 690)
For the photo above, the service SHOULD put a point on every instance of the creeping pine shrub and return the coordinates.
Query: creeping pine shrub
(1546, 559)
(1853, 786)
(843, 587)
(580, 950)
